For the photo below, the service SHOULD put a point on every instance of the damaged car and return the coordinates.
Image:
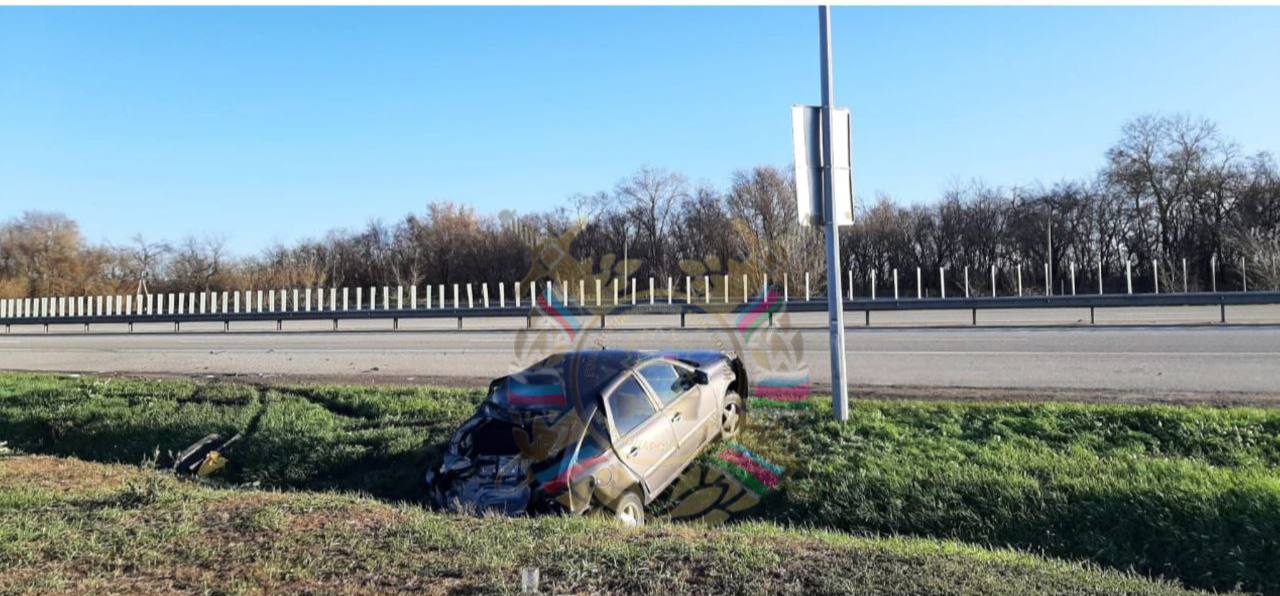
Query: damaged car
(602, 431)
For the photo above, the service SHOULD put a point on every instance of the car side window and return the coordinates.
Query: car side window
(667, 381)
(629, 406)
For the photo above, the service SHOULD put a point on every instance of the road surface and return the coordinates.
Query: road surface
(1174, 358)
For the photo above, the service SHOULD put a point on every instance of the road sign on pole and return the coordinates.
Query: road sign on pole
(821, 144)
(807, 144)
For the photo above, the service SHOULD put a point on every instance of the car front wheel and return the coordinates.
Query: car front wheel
(732, 415)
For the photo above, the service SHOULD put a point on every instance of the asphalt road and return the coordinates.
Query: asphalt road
(1061, 355)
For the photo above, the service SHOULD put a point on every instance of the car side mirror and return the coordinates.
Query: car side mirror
(700, 377)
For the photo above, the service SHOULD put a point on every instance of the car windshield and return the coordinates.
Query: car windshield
(666, 381)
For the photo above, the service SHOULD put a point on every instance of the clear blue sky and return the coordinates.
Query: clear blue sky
(265, 124)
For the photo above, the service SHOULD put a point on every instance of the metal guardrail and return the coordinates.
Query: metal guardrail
(676, 307)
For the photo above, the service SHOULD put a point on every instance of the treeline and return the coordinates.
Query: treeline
(1171, 188)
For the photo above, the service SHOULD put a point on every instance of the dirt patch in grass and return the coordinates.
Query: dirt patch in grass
(55, 474)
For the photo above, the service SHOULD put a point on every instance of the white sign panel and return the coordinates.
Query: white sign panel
(806, 132)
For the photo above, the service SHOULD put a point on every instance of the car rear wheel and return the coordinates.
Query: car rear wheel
(732, 415)
(629, 510)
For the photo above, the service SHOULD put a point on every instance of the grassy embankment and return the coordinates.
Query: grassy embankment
(1187, 493)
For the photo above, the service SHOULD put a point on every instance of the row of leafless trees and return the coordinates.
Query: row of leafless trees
(1172, 188)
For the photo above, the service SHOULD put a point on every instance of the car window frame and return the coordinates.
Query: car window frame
(654, 394)
(648, 393)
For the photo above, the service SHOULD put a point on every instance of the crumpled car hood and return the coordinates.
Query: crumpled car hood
(497, 483)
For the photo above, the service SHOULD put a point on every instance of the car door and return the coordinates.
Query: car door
(680, 398)
(644, 440)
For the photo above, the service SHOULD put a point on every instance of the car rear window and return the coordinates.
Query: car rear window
(629, 406)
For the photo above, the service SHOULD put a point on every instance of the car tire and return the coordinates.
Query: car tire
(629, 510)
(733, 415)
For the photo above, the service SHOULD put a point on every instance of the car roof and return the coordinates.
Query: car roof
(575, 380)
(587, 372)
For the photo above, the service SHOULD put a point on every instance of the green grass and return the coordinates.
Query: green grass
(378, 440)
(1180, 492)
(1191, 493)
(69, 526)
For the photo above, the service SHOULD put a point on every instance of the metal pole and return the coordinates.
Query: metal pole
(1048, 266)
(835, 309)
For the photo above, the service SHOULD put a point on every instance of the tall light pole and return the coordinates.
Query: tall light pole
(1049, 224)
(835, 304)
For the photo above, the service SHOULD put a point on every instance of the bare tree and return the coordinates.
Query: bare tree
(651, 197)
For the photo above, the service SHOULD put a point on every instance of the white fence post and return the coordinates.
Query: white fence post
(744, 288)
(1048, 283)
(919, 284)
(517, 292)
(1019, 280)
(1073, 278)
(895, 283)
(1184, 275)
(942, 281)
(484, 293)
(599, 301)
(271, 301)
(582, 292)
(502, 294)
(1099, 275)
(345, 295)
(470, 297)
(806, 285)
(850, 284)
(1128, 275)
(1155, 274)
(651, 289)
(993, 281)
(564, 291)
(966, 281)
